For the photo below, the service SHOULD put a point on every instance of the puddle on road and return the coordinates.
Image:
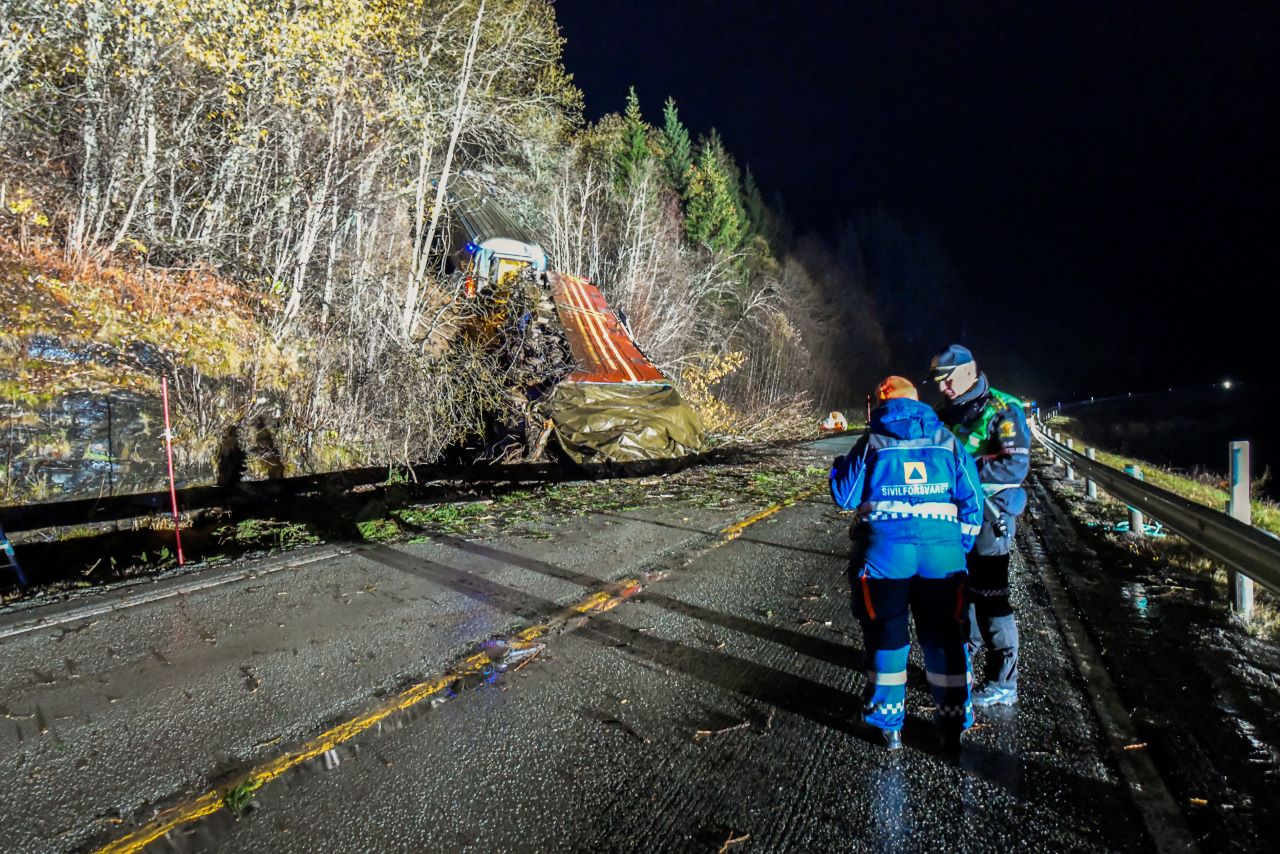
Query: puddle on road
(1259, 750)
(239, 796)
(1135, 593)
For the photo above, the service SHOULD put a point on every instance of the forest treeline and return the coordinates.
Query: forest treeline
(300, 154)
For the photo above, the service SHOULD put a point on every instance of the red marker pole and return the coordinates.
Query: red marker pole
(168, 451)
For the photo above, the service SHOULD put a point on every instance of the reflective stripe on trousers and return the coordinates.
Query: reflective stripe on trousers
(882, 607)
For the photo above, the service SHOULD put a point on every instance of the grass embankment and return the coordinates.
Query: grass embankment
(1165, 553)
(117, 324)
(1208, 490)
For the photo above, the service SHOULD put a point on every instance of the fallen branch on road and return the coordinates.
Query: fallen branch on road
(698, 735)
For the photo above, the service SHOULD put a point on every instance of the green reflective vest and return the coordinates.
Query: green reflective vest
(974, 435)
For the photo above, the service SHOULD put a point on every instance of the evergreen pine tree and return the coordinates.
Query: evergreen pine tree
(711, 215)
(732, 175)
(677, 158)
(634, 151)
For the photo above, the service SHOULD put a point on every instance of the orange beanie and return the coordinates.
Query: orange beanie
(892, 387)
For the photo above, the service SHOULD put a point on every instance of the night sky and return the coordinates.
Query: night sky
(1103, 176)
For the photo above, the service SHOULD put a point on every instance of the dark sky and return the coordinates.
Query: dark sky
(1103, 175)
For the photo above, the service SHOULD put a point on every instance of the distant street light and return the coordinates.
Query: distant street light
(1226, 384)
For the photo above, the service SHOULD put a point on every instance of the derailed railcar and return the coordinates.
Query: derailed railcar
(610, 403)
(488, 247)
(616, 405)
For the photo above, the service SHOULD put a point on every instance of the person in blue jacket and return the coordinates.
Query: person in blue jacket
(918, 507)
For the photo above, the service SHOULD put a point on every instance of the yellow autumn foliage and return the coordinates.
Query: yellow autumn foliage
(698, 382)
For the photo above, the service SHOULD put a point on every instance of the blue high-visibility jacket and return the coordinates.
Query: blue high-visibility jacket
(911, 483)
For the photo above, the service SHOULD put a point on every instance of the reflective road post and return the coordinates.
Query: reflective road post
(1241, 586)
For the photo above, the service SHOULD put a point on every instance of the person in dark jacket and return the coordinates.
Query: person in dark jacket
(918, 507)
(992, 426)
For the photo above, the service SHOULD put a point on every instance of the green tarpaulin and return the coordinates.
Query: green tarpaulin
(622, 422)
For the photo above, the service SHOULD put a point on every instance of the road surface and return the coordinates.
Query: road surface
(673, 676)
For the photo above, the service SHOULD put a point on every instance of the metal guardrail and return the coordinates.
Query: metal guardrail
(262, 494)
(1244, 548)
(266, 493)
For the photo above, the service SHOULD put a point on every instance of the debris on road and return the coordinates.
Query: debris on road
(625, 727)
(699, 735)
(251, 680)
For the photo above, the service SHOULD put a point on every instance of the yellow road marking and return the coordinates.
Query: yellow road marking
(210, 802)
(735, 530)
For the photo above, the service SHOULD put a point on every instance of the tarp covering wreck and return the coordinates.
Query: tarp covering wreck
(622, 422)
(615, 406)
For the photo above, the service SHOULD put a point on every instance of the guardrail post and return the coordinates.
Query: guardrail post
(1071, 472)
(1090, 487)
(1240, 586)
(1135, 515)
(1053, 458)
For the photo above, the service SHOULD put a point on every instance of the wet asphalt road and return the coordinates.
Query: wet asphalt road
(715, 709)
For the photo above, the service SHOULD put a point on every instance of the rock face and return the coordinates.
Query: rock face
(62, 439)
(83, 444)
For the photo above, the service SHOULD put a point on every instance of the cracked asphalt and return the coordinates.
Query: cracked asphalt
(714, 710)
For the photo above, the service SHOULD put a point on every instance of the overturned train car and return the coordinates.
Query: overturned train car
(609, 403)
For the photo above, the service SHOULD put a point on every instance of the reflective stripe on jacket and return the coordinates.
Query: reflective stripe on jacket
(910, 481)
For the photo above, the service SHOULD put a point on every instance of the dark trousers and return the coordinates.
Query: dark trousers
(993, 626)
(881, 606)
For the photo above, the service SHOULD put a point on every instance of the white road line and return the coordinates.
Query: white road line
(132, 600)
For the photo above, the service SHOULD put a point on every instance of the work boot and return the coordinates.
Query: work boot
(892, 739)
(991, 694)
(952, 741)
(864, 697)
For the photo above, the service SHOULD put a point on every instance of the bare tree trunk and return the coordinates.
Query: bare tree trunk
(78, 237)
(313, 218)
(414, 288)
